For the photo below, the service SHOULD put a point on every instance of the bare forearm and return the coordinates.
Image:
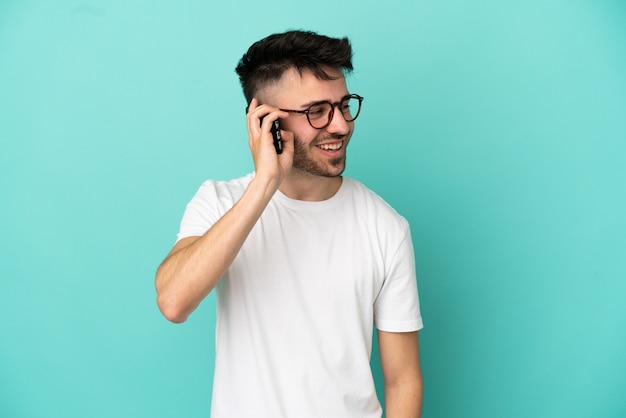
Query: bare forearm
(399, 357)
(404, 400)
(193, 270)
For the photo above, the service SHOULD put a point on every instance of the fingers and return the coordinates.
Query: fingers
(259, 120)
(287, 138)
(268, 163)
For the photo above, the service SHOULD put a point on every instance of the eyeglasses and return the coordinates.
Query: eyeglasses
(320, 114)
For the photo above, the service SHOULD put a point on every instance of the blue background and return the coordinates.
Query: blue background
(498, 128)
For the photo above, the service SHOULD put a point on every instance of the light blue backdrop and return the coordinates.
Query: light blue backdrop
(497, 128)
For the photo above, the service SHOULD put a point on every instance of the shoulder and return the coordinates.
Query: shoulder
(218, 195)
(224, 189)
(373, 212)
(232, 185)
(371, 205)
(211, 201)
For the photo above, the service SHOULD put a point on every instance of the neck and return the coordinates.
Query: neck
(307, 187)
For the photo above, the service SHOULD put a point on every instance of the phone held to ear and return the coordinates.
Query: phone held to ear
(275, 130)
(278, 140)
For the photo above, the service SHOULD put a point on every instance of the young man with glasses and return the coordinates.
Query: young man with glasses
(304, 261)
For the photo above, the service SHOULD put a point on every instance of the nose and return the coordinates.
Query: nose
(338, 124)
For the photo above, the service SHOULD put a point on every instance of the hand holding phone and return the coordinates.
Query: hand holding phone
(278, 140)
(274, 129)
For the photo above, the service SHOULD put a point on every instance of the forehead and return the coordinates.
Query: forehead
(296, 89)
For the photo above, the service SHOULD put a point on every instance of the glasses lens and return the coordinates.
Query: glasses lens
(350, 108)
(318, 115)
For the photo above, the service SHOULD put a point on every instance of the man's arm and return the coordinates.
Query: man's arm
(399, 358)
(195, 265)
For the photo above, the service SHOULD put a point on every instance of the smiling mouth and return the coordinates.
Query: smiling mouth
(335, 146)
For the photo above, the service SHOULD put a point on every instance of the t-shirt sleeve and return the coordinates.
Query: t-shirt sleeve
(396, 308)
(201, 212)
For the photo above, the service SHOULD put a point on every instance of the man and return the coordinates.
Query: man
(304, 261)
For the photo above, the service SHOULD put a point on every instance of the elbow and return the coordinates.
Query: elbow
(172, 311)
(169, 305)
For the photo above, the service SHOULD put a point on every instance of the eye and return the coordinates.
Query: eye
(347, 107)
(317, 111)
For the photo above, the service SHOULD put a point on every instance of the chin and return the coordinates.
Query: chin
(333, 168)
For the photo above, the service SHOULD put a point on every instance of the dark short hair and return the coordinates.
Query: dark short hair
(267, 60)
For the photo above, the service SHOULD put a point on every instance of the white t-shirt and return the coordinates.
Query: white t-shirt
(296, 308)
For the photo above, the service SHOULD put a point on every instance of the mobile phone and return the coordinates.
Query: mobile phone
(275, 130)
(278, 140)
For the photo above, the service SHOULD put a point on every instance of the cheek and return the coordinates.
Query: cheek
(301, 135)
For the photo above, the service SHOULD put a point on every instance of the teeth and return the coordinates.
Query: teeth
(331, 147)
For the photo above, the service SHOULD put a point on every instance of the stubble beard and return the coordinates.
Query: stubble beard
(302, 161)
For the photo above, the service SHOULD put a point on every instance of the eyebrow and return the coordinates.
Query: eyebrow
(316, 102)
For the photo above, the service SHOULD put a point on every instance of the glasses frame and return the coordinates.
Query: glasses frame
(331, 113)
